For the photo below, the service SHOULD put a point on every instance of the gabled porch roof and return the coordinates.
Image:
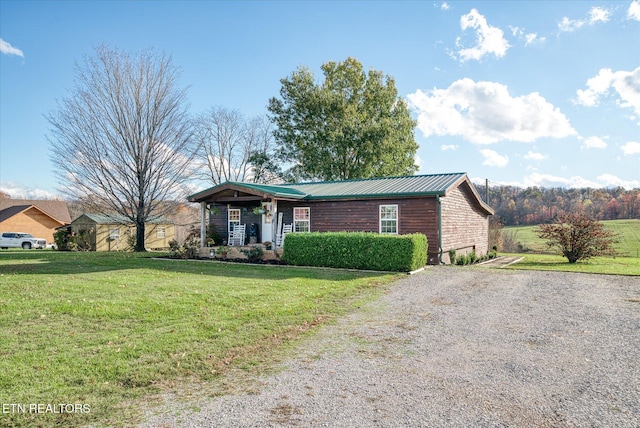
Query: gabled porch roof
(233, 191)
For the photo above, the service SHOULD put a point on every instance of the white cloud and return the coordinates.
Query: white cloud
(569, 25)
(604, 180)
(594, 143)
(19, 191)
(634, 10)
(492, 158)
(417, 160)
(625, 83)
(631, 148)
(548, 180)
(534, 156)
(489, 40)
(445, 6)
(609, 180)
(7, 49)
(529, 38)
(533, 38)
(598, 14)
(485, 113)
(595, 15)
(448, 147)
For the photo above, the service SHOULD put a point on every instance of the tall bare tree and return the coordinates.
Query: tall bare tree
(228, 143)
(122, 137)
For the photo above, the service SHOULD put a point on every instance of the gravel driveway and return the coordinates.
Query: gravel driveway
(462, 347)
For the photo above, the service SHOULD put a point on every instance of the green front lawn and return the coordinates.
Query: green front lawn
(111, 330)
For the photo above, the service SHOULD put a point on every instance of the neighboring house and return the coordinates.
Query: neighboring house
(445, 207)
(101, 232)
(40, 218)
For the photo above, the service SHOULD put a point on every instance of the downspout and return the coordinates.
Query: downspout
(439, 229)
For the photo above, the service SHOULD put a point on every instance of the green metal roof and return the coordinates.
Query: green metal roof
(435, 184)
(276, 190)
(385, 187)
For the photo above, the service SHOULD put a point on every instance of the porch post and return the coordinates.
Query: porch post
(203, 225)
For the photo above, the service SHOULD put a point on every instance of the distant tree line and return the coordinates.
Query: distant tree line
(516, 206)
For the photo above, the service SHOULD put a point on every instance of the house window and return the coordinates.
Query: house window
(234, 219)
(114, 233)
(301, 217)
(161, 232)
(389, 219)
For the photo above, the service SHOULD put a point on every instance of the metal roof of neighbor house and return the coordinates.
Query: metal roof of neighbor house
(58, 210)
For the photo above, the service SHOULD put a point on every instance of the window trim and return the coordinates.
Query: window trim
(161, 232)
(396, 219)
(114, 236)
(307, 221)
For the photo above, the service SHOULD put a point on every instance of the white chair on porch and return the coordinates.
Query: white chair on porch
(236, 238)
(286, 228)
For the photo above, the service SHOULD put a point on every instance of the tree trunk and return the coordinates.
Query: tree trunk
(140, 235)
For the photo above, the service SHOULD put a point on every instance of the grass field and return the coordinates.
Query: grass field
(628, 235)
(602, 265)
(110, 331)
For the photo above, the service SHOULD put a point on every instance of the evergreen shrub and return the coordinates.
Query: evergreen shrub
(356, 250)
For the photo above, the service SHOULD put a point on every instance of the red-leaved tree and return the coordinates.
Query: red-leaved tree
(578, 237)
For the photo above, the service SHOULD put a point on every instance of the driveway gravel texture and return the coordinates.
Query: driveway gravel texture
(455, 347)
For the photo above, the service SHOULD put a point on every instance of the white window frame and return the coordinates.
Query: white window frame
(234, 221)
(394, 219)
(161, 232)
(306, 220)
(114, 233)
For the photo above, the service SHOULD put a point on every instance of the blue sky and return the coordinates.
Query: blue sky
(522, 93)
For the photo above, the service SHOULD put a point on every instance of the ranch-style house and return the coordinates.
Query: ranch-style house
(445, 207)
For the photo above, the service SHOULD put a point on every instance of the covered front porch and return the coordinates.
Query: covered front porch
(225, 207)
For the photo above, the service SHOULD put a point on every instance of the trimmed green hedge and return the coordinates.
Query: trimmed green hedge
(356, 250)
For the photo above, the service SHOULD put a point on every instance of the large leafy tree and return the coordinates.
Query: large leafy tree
(122, 138)
(351, 125)
(578, 237)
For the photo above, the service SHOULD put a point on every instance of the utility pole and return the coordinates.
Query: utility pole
(486, 190)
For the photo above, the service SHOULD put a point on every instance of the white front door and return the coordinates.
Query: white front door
(268, 222)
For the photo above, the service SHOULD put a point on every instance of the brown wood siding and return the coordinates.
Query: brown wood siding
(464, 226)
(415, 215)
(221, 220)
